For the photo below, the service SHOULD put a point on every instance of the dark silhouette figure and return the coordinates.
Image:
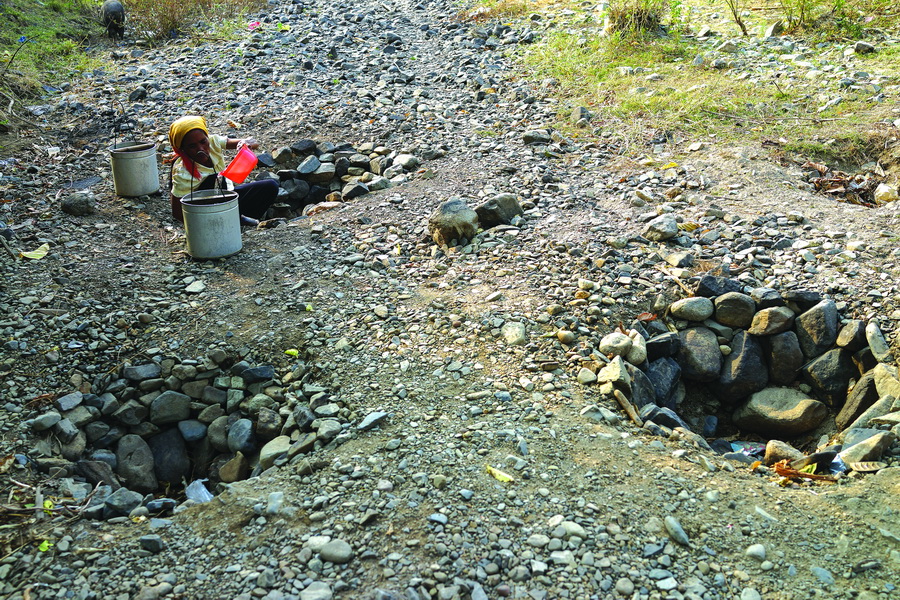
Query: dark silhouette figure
(112, 16)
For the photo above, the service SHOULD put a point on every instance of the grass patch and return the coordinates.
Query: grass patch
(42, 42)
(643, 88)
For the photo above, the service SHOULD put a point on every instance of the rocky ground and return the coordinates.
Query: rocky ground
(373, 314)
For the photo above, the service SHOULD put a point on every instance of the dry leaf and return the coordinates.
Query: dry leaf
(869, 466)
(498, 474)
(822, 169)
(6, 462)
(37, 254)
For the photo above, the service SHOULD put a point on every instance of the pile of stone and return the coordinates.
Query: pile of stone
(312, 173)
(165, 423)
(776, 364)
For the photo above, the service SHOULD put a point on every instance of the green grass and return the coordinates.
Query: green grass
(44, 42)
(54, 33)
(701, 103)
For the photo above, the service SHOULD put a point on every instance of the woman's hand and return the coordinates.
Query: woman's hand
(249, 142)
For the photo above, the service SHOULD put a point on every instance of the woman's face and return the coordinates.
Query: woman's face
(195, 146)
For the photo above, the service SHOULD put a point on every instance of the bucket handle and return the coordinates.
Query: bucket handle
(117, 125)
(135, 148)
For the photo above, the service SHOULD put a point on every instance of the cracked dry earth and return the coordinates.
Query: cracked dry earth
(386, 321)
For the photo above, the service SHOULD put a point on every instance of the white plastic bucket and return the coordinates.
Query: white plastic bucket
(135, 172)
(212, 223)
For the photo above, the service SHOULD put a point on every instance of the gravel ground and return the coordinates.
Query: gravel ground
(388, 322)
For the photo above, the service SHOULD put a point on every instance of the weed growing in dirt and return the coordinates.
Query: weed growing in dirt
(501, 9)
(162, 19)
(736, 8)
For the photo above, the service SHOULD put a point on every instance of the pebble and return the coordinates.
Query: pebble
(823, 575)
(624, 586)
(750, 594)
(336, 551)
(756, 552)
(673, 527)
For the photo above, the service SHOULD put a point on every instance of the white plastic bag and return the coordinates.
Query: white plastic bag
(197, 492)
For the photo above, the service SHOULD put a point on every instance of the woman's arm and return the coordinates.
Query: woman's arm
(233, 143)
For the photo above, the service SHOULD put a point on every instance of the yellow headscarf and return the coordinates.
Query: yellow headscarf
(182, 126)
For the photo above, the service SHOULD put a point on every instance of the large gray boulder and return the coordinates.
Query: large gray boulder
(784, 357)
(498, 210)
(872, 448)
(273, 450)
(776, 412)
(121, 502)
(170, 407)
(817, 328)
(863, 396)
(643, 390)
(887, 380)
(661, 228)
(135, 464)
(452, 220)
(664, 374)
(170, 456)
(735, 309)
(696, 308)
(770, 321)
(852, 336)
(829, 375)
(700, 357)
(743, 371)
(241, 437)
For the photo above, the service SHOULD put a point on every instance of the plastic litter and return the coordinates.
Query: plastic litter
(837, 466)
(197, 492)
(749, 448)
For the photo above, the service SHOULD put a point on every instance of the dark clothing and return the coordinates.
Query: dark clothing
(255, 198)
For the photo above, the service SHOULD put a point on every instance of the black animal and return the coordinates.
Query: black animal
(112, 16)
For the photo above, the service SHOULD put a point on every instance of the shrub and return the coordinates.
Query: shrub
(636, 16)
(799, 13)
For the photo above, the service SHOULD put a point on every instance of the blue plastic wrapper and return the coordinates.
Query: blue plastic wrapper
(749, 448)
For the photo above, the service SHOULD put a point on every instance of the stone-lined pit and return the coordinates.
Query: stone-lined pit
(779, 365)
(153, 427)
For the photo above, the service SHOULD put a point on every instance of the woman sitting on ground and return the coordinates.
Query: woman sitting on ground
(200, 159)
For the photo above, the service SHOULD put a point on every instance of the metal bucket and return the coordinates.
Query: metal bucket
(134, 167)
(212, 223)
